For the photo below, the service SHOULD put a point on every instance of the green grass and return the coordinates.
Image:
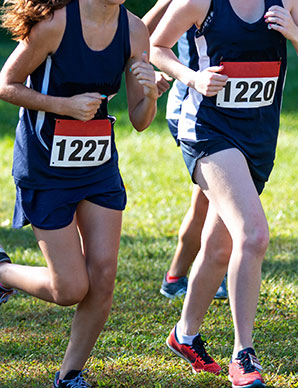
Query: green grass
(131, 351)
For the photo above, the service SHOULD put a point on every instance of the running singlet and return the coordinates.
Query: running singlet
(189, 57)
(59, 152)
(246, 112)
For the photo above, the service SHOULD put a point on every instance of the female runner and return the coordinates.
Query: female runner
(72, 55)
(228, 131)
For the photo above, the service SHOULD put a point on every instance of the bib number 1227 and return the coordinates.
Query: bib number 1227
(81, 144)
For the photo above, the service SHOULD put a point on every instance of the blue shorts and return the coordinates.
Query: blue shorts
(173, 127)
(55, 209)
(192, 151)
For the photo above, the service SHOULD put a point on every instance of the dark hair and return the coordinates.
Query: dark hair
(19, 16)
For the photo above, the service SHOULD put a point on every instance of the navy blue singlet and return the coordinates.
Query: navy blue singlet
(246, 113)
(73, 69)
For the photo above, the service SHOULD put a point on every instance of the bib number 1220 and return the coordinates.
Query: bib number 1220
(250, 84)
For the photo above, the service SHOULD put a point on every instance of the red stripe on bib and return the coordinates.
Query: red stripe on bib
(83, 128)
(251, 69)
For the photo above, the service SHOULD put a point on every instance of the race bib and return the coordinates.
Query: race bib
(250, 84)
(81, 144)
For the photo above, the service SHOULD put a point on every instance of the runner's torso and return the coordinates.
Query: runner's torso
(246, 112)
(73, 69)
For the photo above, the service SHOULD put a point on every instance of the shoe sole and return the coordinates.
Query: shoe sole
(221, 297)
(255, 384)
(172, 296)
(187, 360)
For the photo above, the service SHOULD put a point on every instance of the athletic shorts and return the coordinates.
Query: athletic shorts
(173, 127)
(192, 151)
(55, 209)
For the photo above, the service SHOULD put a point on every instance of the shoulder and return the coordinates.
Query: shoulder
(136, 26)
(139, 35)
(49, 32)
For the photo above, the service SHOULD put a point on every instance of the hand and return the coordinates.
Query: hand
(145, 75)
(162, 82)
(209, 82)
(83, 106)
(280, 19)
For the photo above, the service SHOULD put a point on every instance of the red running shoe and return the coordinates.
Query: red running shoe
(244, 371)
(195, 354)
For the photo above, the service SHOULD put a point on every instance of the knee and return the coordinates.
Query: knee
(256, 241)
(219, 254)
(102, 277)
(69, 292)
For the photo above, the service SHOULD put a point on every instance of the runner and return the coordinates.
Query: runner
(189, 238)
(228, 131)
(68, 185)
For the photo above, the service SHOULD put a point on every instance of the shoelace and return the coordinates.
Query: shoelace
(77, 382)
(246, 363)
(198, 346)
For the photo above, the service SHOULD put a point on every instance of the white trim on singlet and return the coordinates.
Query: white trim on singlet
(191, 104)
(44, 90)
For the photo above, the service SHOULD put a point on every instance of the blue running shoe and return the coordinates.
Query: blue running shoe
(73, 379)
(175, 289)
(222, 292)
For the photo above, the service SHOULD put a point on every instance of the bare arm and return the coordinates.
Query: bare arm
(179, 17)
(44, 39)
(140, 79)
(285, 20)
(152, 17)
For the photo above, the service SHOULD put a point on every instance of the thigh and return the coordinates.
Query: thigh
(225, 179)
(199, 201)
(63, 252)
(100, 229)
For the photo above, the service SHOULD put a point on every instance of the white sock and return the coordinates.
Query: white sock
(183, 338)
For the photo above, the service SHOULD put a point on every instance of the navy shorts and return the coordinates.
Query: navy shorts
(173, 127)
(192, 151)
(55, 209)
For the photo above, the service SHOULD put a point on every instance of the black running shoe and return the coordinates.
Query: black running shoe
(73, 379)
(175, 289)
(4, 258)
(5, 293)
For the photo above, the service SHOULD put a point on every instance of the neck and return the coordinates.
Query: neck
(99, 10)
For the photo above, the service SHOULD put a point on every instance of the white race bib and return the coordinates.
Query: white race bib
(81, 144)
(250, 84)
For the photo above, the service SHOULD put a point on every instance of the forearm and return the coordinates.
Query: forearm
(165, 60)
(143, 113)
(20, 95)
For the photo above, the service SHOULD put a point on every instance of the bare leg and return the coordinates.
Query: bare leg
(189, 239)
(100, 229)
(207, 273)
(55, 283)
(225, 179)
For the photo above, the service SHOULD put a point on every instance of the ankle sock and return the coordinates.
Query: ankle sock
(172, 279)
(183, 338)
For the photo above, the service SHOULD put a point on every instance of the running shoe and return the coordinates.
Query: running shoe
(195, 354)
(73, 379)
(5, 293)
(4, 258)
(222, 292)
(174, 289)
(244, 371)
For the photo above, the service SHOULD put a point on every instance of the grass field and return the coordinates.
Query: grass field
(131, 351)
